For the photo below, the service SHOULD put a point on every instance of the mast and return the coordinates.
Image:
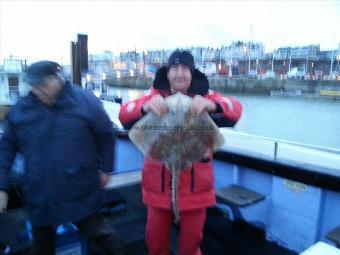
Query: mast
(290, 58)
(332, 60)
(251, 39)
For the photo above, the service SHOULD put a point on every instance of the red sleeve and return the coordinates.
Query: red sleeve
(231, 109)
(131, 112)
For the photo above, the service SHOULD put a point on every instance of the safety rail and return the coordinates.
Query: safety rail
(323, 159)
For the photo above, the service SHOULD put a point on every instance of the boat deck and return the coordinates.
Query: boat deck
(221, 235)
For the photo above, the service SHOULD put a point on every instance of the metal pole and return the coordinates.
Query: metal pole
(220, 58)
(249, 57)
(275, 151)
(144, 71)
(331, 69)
(251, 39)
(290, 59)
(257, 61)
(323, 67)
(307, 63)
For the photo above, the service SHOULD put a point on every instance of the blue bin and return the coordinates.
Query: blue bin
(69, 241)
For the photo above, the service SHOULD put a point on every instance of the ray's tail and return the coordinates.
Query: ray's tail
(174, 194)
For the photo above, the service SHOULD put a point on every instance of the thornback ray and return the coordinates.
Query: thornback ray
(176, 139)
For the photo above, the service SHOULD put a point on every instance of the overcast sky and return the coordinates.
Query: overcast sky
(43, 29)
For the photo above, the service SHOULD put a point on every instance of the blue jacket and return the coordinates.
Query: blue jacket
(64, 147)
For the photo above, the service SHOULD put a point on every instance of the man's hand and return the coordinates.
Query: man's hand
(201, 104)
(104, 179)
(157, 105)
(3, 201)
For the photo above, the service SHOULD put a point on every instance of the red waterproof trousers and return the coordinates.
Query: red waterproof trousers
(158, 230)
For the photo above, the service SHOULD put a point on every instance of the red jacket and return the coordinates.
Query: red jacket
(196, 185)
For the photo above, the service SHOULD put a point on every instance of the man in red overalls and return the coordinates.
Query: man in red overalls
(196, 185)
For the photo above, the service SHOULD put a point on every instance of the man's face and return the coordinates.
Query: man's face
(179, 77)
(48, 91)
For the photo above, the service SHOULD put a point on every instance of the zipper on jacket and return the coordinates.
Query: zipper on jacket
(192, 188)
(163, 173)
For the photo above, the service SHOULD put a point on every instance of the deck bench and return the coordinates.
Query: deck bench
(237, 197)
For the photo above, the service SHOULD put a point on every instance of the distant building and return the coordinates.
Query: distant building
(101, 63)
(242, 57)
(310, 51)
(12, 80)
(243, 50)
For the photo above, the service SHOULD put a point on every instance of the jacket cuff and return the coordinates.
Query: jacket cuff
(218, 108)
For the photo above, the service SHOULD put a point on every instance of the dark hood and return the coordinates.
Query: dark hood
(199, 83)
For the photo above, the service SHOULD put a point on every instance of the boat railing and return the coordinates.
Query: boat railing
(309, 157)
(282, 151)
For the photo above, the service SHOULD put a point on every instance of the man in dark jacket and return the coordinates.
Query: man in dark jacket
(67, 142)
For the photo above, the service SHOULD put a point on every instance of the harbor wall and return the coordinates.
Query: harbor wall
(130, 82)
(264, 87)
(244, 86)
